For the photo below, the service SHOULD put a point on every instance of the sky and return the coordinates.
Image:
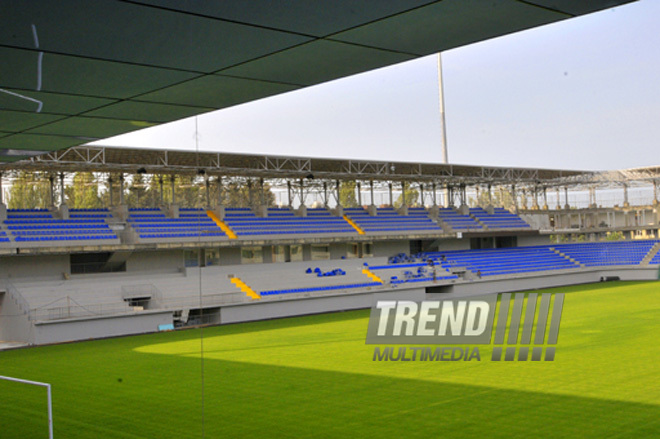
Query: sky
(583, 94)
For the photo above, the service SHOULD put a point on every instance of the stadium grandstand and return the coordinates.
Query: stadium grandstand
(122, 269)
(70, 272)
(101, 242)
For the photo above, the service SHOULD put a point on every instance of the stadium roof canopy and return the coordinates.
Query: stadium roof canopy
(74, 71)
(137, 160)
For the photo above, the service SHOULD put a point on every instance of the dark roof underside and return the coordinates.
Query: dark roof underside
(73, 71)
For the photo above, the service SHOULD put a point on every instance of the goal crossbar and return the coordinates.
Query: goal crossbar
(50, 401)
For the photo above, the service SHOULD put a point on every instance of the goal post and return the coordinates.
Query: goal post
(50, 400)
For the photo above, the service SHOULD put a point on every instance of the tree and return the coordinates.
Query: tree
(142, 192)
(238, 194)
(29, 191)
(615, 236)
(501, 197)
(412, 198)
(347, 196)
(83, 193)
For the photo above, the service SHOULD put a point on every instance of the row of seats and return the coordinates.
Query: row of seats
(324, 288)
(321, 273)
(395, 280)
(192, 223)
(64, 238)
(503, 261)
(389, 220)
(458, 222)
(499, 219)
(607, 253)
(244, 222)
(40, 226)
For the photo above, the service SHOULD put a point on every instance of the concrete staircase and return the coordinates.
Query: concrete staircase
(245, 288)
(565, 256)
(476, 220)
(651, 254)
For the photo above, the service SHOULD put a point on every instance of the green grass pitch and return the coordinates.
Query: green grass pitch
(314, 377)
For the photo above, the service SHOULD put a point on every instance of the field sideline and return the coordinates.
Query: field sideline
(314, 377)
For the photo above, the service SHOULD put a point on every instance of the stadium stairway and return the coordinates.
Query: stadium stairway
(225, 228)
(566, 256)
(245, 288)
(355, 226)
(371, 275)
(652, 255)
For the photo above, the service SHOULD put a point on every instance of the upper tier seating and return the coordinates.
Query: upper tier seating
(192, 223)
(40, 226)
(389, 220)
(285, 222)
(458, 222)
(499, 219)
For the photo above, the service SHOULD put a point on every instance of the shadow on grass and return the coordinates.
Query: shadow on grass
(160, 396)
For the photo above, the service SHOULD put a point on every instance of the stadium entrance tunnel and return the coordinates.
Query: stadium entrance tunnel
(196, 317)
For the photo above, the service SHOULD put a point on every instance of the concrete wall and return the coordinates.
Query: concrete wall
(454, 244)
(548, 280)
(390, 248)
(538, 221)
(46, 266)
(525, 241)
(14, 324)
(337, 250)
(82, 329)
(230, 256)
(313, 305)
(162, 260)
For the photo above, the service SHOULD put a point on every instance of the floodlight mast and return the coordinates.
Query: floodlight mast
(441, 100)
